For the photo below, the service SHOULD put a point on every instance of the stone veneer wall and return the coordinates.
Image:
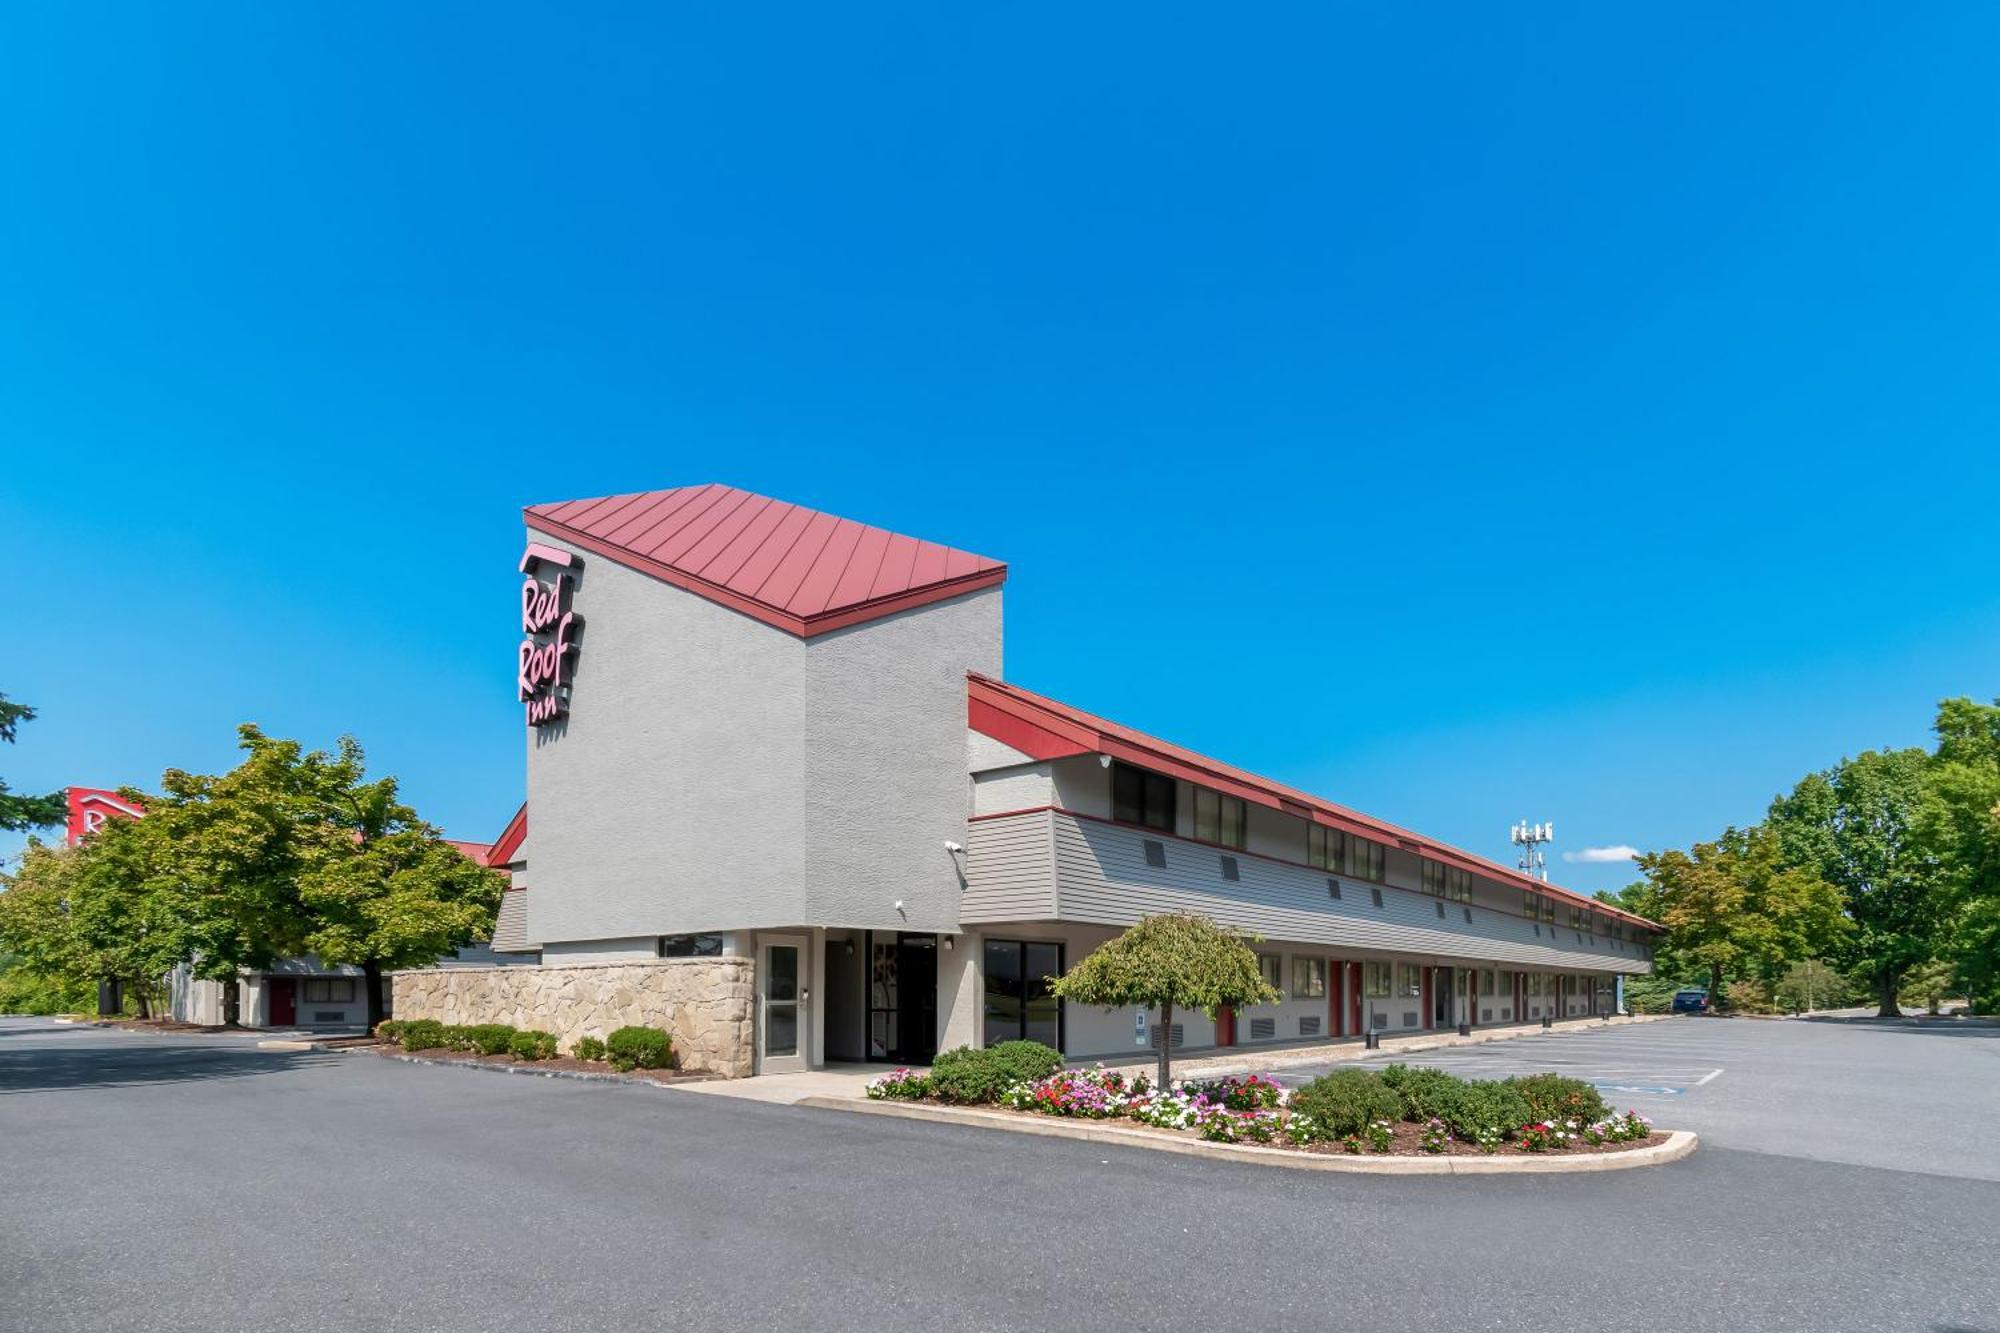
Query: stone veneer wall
(705, 1003)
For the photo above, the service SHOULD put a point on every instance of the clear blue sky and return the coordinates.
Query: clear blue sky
(1556, 413)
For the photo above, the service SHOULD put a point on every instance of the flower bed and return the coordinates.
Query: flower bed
(1396, 1112)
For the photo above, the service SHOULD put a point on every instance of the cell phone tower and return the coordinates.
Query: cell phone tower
(1530, 838)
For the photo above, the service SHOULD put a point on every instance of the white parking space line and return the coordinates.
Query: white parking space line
(1706, 1077)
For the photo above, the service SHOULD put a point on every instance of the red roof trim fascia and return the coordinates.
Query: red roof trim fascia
(988, 699)
(510, 839)
(805, 627)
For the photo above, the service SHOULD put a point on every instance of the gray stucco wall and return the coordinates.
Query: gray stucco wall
(716, 773)
(885, 779)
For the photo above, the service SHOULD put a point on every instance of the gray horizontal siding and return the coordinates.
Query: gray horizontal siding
(1009, 870)
(510, 931)
(1102, 878)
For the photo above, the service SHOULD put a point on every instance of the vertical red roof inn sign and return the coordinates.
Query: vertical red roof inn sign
(549, 632)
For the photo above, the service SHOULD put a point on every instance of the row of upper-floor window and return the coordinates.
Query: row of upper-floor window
(1139, 796)
(1310, 979)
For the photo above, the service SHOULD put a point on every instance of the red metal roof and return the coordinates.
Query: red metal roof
(1045, 729)
(796, 568)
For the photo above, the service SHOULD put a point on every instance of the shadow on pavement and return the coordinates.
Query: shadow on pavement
(58, 1068)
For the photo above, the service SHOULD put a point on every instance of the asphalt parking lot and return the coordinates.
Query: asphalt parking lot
(171, 1183)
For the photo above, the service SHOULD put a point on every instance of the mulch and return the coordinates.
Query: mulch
(561, 1064)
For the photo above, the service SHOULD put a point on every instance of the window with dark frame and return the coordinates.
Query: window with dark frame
(1308, 978)
(329, 990)
(689, 946)
(1018, 1003)
(1218, 818)
(1140, 797)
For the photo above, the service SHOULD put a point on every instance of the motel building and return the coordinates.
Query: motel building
(770, 738)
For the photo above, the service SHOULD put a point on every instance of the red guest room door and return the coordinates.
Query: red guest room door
(284, 1001)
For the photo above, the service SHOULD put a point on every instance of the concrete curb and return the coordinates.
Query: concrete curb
(582, 1076)
(1680, 1143)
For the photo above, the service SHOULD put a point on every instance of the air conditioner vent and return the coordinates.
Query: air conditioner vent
(1156, 854)
(330, 1016)
(1376, 894)
(1440, 907)
(1333, 889)
(1229, 870)
(1409, 1020)
(1263, 1029)
(1179, 1034)
(1309, 1025)
(1486, 1015)
(1468, 916)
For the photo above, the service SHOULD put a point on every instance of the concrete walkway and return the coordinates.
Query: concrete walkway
(848, 1081)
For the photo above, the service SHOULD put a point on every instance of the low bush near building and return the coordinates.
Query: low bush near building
(457, 1037)
(639, 1048)
(900, 1085)
(1345, 1102)
(970, 1076)
(532, 1045)
(421, 1034)
(1486, 1110)
(387, 1029)
(1423, 1093)
(1026, 1061)
(588, 1048)
(1557, 1099)
(489, 1038)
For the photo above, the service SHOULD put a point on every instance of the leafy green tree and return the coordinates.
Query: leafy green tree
(1959, 823)
(126, 921)
(1811, 984)
(1856, 826)
(36, 925)
(296, 851)
(1169, 962)
(1735, 910)
(24, 812)
(382, 889)
(230, 858)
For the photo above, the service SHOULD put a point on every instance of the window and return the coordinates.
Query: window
(1365, 859)
(1308, 978)
(690, 946)
(1433, 877)
(1486, 983)
(1375, 979)
(1139, 797)
(1218, 818)
(1321, 847)
(1412, 978)
(1273, 969)
(1458, 884)
(329, 990)
(1018, 1003)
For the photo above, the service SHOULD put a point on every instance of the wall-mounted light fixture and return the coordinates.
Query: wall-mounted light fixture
(947, 944)
(1104, 761)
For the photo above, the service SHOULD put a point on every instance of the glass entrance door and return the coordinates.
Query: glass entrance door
(783, 1018)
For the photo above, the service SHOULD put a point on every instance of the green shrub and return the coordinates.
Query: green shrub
(532, 1045)
(457, 1037)
(421, 1034)
(588, 1048)
(1342, 1103)
(970, 1075)
(1027, 1061)
(489, 1038)
(1424, 1093)
(639, 1048)
(1483, 1105)
(387, 1029)
(1553, 1097)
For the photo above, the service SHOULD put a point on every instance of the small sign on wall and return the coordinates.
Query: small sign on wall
(1139, 1028)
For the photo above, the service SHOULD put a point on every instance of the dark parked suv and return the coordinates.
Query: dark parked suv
(1691, 1001)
